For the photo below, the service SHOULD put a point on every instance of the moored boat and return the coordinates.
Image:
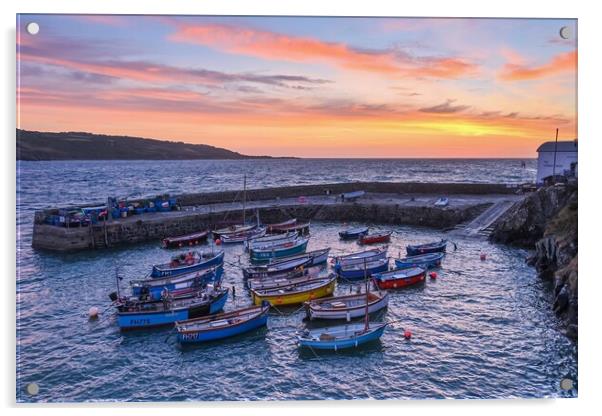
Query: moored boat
(282, 224)
(242, 236)
(346, 307)
(361, 270)
(353, 233)
(275, 268)
(185, 240)
(422, 260)
(296, 293)
(187, 263)
(283, 250)
(223, 325)
(288, 279)
(299, 228)
(316, 257)
(153, 287)
(375, 238)
(442, 202)
(141, 315)
(399, 278)
(358, 258)
(340, 337)
(270, 241)
(436, 247)
(232, 229)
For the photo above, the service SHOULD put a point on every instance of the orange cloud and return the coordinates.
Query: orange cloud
(565, 62)
(275, 46)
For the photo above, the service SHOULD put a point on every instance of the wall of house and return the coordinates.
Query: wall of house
(545, 164)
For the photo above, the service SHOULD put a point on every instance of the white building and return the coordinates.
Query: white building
(566, 159)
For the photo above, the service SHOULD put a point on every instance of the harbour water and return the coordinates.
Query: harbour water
(482, 329)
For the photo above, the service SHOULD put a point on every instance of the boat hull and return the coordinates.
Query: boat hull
(353, 234)
(426, 248)
(159, 271)
(336, 345)
(145, 320)
(295, 298)
(155, 288)
(432, 260)
(186, 240)
(357, 274)
(347, 313)
(258, 256)
(375, 239)
(359, 258)
(198, 337)
(401, 282)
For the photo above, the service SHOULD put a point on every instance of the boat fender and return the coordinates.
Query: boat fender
(433, 275)
(93, 313)
(407, 334)
(483, 256)
(218, 242)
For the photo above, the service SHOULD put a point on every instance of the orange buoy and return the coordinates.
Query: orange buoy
(433, 275)
(218, 242)
(483, 256)
(407, 334)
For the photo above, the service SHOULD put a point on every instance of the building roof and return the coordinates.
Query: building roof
(564, 146)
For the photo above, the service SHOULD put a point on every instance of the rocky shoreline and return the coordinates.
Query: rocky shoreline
(546, 222)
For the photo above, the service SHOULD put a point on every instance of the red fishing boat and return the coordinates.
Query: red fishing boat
(185, 240)
(399, 278)
(376, 238)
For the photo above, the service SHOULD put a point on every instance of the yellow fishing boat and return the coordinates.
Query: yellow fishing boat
(296, 293)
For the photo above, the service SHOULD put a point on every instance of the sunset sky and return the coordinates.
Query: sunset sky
(306, 87)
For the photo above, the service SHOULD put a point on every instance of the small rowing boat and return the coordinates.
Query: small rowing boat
(340, 337)
(243, 236)
(276, 268)
(223, 325)
(360, 270)
(270, 241)
(296, 293)
(422, 260)
(353, 233)
(188, 263)
(232, 229)
(299, 228)
(442, 202)
(346, 307)
(375, 238)
(152, 288)
(284, 280)
(399, 278)
(280, 225)
(287, 249)
(436, 247)
(142, 315)
(316, 257)
(358, 258)
(185, 240)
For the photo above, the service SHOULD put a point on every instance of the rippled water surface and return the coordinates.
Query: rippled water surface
(480, 330)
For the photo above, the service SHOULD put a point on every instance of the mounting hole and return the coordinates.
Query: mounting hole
(32, 28)
(32, 389)
(565, 32)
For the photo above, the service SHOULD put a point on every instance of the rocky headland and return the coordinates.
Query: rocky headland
(546, 222)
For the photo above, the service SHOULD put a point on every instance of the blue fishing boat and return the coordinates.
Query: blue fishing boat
(277, 268)
(358, 258)
(340, 337)
(223, 325)
(422, 260)
(437, 247)
(269, 241)
(143, 315)
(188, 262)
(287, 249)
(151, 288)
(360, 270)
(353, 233)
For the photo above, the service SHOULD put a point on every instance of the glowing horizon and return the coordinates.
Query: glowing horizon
(304, 87)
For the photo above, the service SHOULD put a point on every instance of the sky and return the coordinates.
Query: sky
(304, 86)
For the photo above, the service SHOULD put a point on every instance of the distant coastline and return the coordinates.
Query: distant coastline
(44, 146)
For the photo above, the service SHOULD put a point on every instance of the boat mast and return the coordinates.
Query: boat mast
(244, 201)
(366, 322)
